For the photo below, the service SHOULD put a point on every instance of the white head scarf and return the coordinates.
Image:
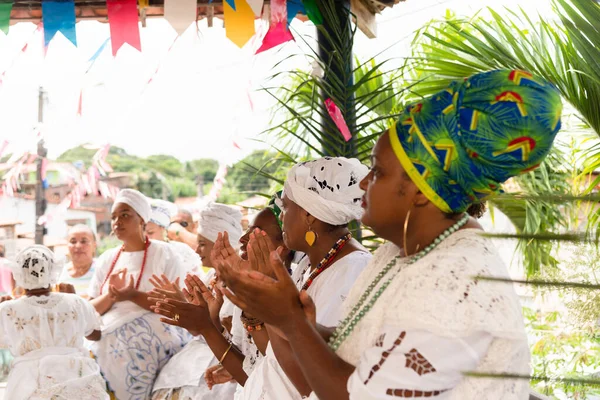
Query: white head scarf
(216, 218)
(135, 200)
(162, 212)
(328, 188)
(35, 267)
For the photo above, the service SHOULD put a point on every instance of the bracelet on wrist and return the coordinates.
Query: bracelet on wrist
(225, 354)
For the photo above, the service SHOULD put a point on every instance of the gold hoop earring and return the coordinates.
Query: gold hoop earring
(406, 231)
(310, 237)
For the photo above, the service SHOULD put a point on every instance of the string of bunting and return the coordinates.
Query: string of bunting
(124, 16)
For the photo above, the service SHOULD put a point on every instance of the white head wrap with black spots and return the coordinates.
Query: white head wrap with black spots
(328, 188)
(36, 267)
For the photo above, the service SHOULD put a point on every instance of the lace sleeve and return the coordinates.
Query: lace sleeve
(415, 364)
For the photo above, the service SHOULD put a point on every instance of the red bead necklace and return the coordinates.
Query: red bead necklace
(112, 267)
(327, 260)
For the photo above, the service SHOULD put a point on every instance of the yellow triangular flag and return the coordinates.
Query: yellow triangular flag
(239, 23)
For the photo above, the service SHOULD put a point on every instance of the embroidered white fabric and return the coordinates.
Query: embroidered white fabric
(328, 188)
(45, 334)
(36, 267)
(438, 294)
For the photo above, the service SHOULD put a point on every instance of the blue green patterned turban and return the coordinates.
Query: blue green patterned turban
(459, 145)
(275, 207)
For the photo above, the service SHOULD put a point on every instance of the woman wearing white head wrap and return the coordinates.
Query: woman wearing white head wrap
(320, 199)
(156, 229)
(119, 291)
(44, 332)
(177, 380)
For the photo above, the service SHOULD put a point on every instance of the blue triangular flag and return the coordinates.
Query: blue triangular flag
(231, 4)
(59, 16)
(293, 8)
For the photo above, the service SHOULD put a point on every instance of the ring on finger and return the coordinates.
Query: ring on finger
(176, 317)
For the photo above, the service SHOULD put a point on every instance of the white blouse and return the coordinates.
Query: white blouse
(161, 259)
(435, 322)
(56, 320)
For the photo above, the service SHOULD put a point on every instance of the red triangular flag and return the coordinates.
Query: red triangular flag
(123, 20)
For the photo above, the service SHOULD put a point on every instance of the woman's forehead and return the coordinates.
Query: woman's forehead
(121, 207)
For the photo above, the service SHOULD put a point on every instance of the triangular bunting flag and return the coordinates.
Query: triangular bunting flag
(256, 6)
(278, 32)
(59, 16)
(232, 4)
(5, 9)
(293, 8)
(181, 14)
(239, 25)
(123, 20)
(312, 11)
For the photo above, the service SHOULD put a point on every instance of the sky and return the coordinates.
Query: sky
(204, 94)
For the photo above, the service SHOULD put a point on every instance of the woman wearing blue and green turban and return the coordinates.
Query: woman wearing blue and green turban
(417, 319)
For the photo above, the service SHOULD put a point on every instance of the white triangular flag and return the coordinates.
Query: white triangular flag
(181, 14)
(256, 6)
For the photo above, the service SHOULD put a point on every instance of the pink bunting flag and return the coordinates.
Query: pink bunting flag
(278, 32)
(338, 119)
(44, 168)
(80, 103)
(123, 21)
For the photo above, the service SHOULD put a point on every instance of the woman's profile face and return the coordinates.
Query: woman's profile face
(389, 193)
(155, 232)
(265, 220)
(125, 222)
(295, 224)
(203, 249)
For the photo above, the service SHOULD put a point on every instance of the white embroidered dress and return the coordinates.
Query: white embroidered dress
(45, 334)
(329, 290)
(135, 344)
(434, 322)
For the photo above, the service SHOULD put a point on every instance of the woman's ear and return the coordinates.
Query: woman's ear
(310, 220)
(420, 200)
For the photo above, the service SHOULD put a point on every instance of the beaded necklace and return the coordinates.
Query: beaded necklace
(112, 266)
(346, 327)
(327, 260)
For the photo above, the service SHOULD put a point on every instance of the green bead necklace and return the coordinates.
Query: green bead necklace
(346, 327)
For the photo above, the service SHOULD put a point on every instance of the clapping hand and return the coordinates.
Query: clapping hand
(193, 314)
(163, 288)
(223, 252)
(214, 301)
(118, 289)
(276, 301)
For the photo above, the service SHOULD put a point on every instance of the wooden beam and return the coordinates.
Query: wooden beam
(364, 18)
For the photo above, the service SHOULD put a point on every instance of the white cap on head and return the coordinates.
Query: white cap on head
(162, 212)
(216, 218)
(136, 200)
(36, 267)
(328, 188)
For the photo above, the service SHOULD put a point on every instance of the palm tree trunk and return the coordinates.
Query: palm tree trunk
(335, 51)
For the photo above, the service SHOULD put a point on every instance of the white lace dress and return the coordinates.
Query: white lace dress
(45, 334)
(434, 322)
(135, 344)
(268, 381)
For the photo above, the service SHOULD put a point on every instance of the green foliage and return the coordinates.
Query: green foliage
(157, 175)
(255, 174)
(562, 351)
